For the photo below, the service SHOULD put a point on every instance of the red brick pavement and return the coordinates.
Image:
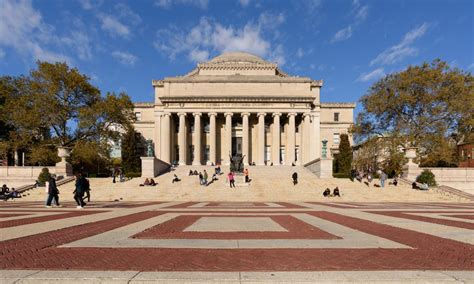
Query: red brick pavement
(41, 251)
(38, 219)
(405, 215)
(174, 229)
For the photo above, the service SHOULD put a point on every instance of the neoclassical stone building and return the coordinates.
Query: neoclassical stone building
(240, 104)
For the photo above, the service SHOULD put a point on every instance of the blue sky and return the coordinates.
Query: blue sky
(123, 45)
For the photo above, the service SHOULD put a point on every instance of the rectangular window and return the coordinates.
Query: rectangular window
(138, 116)
(335, 138)
(336, 116)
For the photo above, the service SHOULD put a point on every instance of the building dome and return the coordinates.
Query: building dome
(237, 57)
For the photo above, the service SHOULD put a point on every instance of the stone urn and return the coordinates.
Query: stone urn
(410, 154)
(63, 167)
(410, 169)
(63, 153)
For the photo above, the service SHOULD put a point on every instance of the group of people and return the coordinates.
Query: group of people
(118, 172)
(369, 176)
(6, 194)
(149, 182)
(335, 192)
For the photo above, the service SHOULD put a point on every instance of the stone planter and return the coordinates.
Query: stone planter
(63, 167)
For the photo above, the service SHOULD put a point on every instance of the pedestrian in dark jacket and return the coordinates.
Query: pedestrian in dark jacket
(53, 192)
(294, 176)
(79, 191)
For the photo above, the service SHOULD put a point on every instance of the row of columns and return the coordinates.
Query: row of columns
(165, 139)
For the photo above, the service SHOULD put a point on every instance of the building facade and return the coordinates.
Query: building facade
(240, 104)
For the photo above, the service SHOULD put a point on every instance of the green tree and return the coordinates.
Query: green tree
(343, 160)
(57, 106)
(91, 157)
(132, 150)
(427, 106)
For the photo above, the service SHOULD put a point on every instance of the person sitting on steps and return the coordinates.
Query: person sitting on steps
(175, 179)
(336, 192)
(152, 182)
(327, 192)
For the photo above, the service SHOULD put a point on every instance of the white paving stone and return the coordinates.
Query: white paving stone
(235, 224)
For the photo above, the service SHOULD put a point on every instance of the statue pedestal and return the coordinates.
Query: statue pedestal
(152, 167)
(63, 168)
(410, 170)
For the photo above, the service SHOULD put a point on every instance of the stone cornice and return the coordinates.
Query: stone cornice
(235, 99)
(144, 105)
(235, 79)
(338, 105)
(337, 122)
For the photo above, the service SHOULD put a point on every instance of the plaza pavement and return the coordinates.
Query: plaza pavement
(237, 242)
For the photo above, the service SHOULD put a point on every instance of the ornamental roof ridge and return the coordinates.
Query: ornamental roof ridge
(344, 105)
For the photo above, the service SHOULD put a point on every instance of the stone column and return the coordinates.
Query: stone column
(228, 138)
(261, 139)
(197, 139)
(276, 139)
(182, 138)
(306, 138)
(166, 138)
(213, 137)
(157, 133)
(316, 137)
(245, 137)
(290, 139)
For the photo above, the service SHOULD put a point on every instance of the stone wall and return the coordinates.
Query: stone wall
(459, 178)
(320, 167)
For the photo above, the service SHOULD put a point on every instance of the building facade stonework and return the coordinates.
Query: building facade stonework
(240, 104)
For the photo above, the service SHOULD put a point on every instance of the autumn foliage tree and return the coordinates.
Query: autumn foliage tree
(427, 106)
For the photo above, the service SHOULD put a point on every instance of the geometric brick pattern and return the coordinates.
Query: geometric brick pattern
(428, 236)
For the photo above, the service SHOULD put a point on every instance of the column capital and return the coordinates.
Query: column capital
(212, 114)
(306, 114)
(292, 114)
(197, 113)
(229, 114)
(262, 114)
(166, 114)
(276, 114)
(245, 114)
(182, 113)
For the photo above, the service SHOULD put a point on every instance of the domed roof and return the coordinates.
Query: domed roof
(237, 57)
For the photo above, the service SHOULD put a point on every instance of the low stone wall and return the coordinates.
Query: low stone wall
(320, 167)
(459, 178)
(23, 172)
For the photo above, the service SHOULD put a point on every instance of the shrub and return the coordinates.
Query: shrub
(44, 176)
(426, 177)
(133, 174)
(341, 175)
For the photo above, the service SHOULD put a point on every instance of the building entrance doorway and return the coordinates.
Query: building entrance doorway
(236, 146)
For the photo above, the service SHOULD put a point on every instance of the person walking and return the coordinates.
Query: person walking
(201, 178)
(231, 179)
(246, 174)
(53, 192)
(383, 178)
(114, 174)
(294, 176)
(79, 191)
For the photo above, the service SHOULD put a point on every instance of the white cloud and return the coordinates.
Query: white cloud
(114, 26)
(299, 53)
(362, 13)
(401, 50)
(2, 53)
(210, 37)
(125, 57)
(342, 34)
(471, 66)
(270, 21)
(244, 3)
(80, 41)
(86, 4)
(312, 5)
(375, 74)
(22, 28)
(127, 14)
(203, 4)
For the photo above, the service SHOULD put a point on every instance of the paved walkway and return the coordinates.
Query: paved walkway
(237, 242)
